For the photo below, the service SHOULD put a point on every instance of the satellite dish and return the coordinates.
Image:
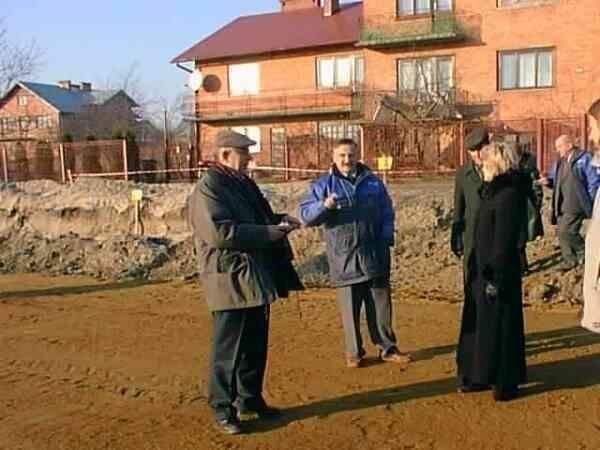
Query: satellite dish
(195, 80)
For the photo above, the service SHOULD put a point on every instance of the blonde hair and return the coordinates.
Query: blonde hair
(500, 157)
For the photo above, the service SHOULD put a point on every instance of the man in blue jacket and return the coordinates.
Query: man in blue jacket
(575, 182)
(357, 213)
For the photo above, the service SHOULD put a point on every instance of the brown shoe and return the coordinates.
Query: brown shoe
(354, 362)
(396, 356)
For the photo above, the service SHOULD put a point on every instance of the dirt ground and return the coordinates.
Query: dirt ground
(87, 365)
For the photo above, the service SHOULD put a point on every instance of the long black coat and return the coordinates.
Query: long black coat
(492, 340)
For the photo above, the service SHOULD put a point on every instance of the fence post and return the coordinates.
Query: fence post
(584, 131)
(61, 156)
(540, 147)
(461, 144)
(5, 164)
(286, 158)
(362, 144)
(125, 168)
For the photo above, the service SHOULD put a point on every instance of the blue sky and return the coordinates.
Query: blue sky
(94, 41)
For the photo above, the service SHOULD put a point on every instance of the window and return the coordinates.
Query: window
(278, 147)
(435, 74)
(22, 99)
(24, 122)
(43, 122)
(340, 130)
(522, 69)
(340, 71)
(253, 133)
(8, 124)
(417, 7)
(244, 79)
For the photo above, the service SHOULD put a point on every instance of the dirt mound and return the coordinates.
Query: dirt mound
(86, 228)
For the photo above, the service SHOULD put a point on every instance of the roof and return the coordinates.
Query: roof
(279, 32)
(68, 101)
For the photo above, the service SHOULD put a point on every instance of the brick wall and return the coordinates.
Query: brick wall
(567, 26)
(32, 127)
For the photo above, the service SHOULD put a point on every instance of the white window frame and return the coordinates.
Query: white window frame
(524, 52)
(249, 84)
(23, 100)
(432, 5)
(357, 71)
(434, 60)
(254, 133)
(340, 130)
(43, 122)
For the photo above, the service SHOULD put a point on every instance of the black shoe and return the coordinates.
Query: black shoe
(505, 394)
(229, 426)
(472, 387)
(264, 412)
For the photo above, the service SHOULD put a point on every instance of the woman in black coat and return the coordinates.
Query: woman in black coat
(491, 350)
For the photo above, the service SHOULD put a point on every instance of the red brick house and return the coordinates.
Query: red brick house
(48, 112)
(321, 69)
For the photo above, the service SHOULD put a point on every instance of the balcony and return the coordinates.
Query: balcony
(273, 105)
(440, 28)
(417, 105)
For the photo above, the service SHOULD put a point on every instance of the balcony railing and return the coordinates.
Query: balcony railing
(273, 104)
(441, 27)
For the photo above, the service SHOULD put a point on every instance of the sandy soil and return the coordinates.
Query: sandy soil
(84, 229)
(122, 365)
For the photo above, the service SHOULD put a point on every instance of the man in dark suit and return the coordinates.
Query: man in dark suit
(245, 265)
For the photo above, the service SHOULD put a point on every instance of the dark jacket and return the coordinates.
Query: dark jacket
(239, 266)
(492, 341)
(359, 233)
(589, 181)
(535, 197)
(467, 186)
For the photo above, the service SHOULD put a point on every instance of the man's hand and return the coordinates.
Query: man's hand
(276, 232)
(456, 243)
(331, 202)
(491, 292)
(544, 181)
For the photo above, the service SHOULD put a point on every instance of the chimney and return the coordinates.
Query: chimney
(86, 87)
(330, 7)
(294, 5)
(65, 84)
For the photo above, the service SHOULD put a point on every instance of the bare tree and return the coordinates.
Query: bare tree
(17, 60)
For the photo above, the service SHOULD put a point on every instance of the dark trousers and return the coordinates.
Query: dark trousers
(239, 359)
(376, 297)
(572, 244)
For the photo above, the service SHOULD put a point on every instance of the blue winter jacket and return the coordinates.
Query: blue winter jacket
(589, 181)
(359, 231)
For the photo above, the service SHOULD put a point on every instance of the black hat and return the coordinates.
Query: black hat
(229, 138)
(477, 138)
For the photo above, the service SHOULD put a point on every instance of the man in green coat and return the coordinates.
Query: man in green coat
(467, 201)
(467, 185)
(244, 265)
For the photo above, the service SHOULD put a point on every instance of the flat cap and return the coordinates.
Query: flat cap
(229, 138)
(477, 138)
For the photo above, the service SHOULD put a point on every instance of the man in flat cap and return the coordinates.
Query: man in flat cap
(245, 265)
(467, 200)
(467, 184)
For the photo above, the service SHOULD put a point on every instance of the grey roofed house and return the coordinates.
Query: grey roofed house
(74, 97)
